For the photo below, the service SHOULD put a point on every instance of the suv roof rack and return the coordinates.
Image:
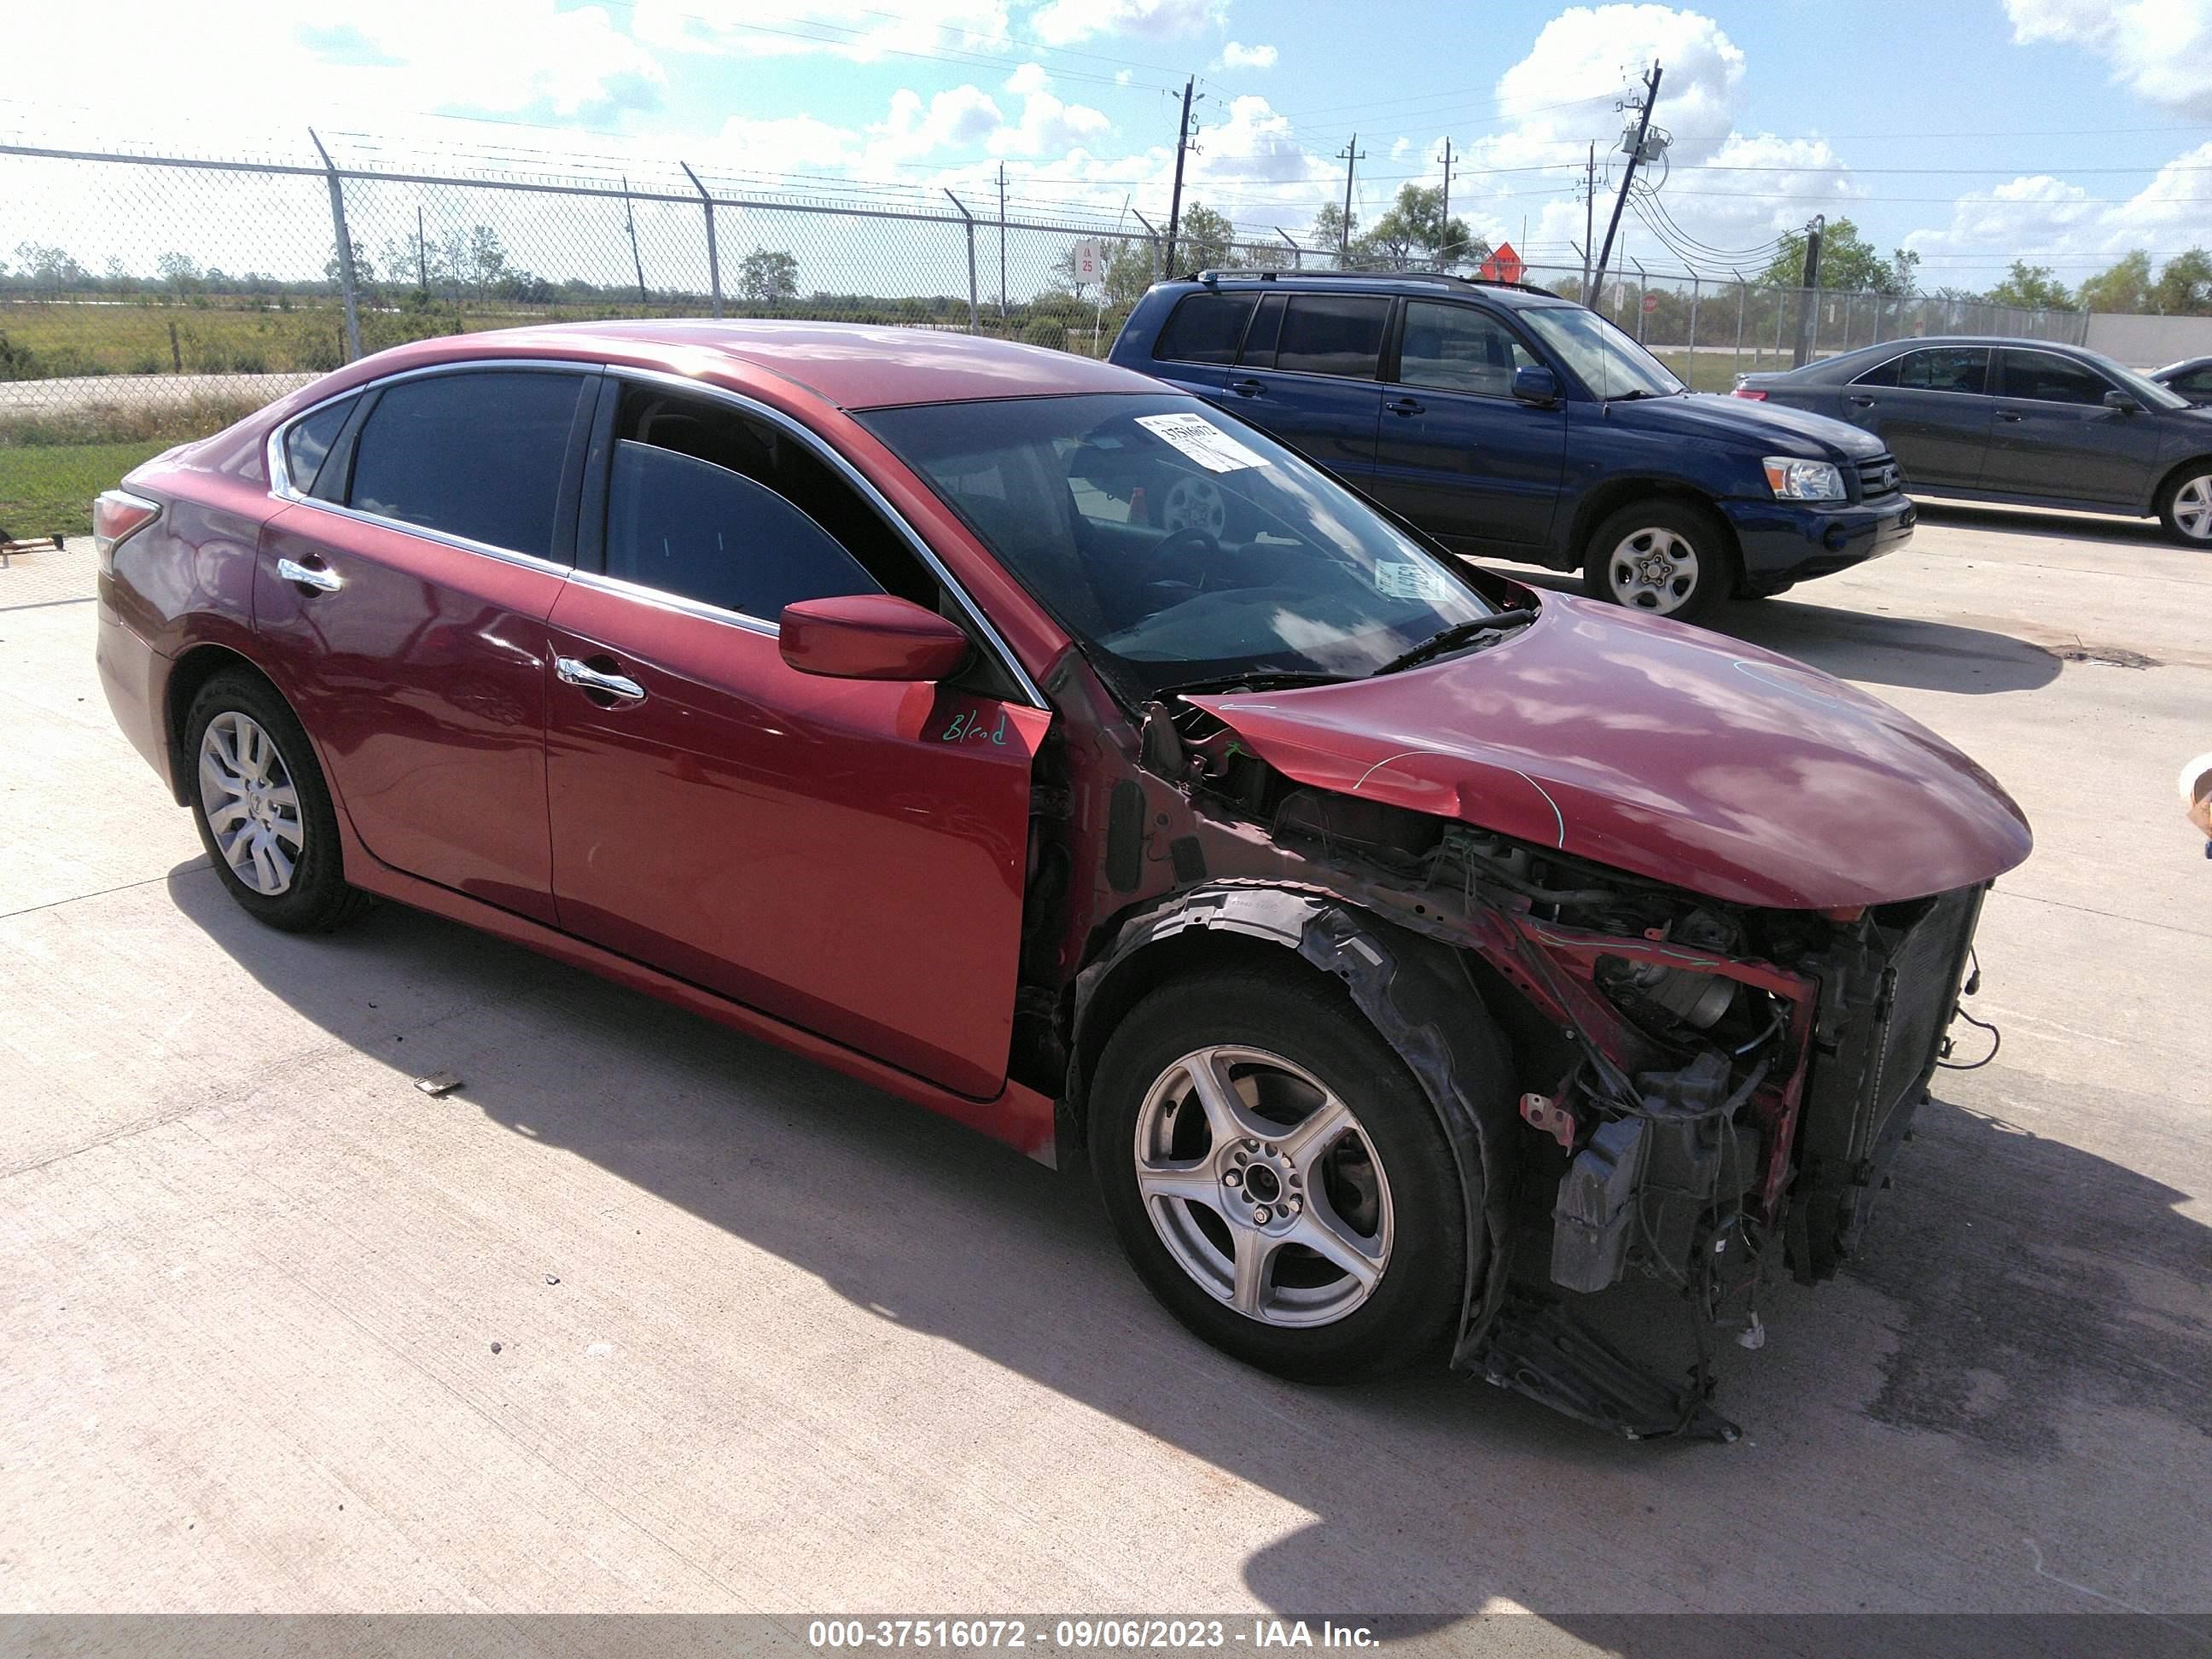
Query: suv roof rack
(1267, 275)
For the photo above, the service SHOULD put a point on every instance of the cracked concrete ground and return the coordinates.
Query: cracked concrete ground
(647, 1316)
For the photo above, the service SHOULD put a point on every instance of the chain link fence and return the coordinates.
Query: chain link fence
(149, 299)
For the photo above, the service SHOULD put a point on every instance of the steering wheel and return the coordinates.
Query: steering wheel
(1165, 567)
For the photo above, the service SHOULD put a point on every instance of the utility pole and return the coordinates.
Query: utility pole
(1351, 156)
(1002, 249)
(1589, 217)
(1443, 223)
(1628, 176)
(1809, 298)
(1174, 202)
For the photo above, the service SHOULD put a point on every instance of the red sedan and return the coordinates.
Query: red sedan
(1042, 746)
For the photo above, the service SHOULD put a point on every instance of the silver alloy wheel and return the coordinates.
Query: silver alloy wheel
(1653, 569)
(252, 806)
(1194, 503)
(1263, 1186)
(2192, 509)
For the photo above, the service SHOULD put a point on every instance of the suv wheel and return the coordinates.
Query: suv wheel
(1665, 557)
(1277, 1177)
(260, 806)
(2186, 507)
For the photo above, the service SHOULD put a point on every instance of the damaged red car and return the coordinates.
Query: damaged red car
(1413, 953)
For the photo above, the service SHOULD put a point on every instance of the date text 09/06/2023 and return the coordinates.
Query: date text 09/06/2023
(1077, 1634)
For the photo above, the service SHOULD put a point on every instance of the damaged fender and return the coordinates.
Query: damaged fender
(1416, 994)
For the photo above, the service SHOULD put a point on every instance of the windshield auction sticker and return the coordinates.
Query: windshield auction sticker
(1396, 579)
(1203, 441)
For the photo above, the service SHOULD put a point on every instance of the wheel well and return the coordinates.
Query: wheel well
(1602, 501)
(194, 670)
(2174, 476)
(1198, 950)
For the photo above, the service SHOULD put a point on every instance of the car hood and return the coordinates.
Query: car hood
(1710, 416)
(1657, 749)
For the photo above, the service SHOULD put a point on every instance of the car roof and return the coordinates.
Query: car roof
(1427, 284)
(851, 365)
(1859, 354)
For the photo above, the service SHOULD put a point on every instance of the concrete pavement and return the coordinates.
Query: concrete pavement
(648, 1317)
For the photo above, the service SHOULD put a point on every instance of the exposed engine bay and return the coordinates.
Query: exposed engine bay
(1704, 1093)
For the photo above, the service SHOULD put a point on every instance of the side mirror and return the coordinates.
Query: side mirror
(870, 636)
(2123, 401)
(1533, 384)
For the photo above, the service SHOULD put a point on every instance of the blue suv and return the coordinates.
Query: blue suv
(1508, 422)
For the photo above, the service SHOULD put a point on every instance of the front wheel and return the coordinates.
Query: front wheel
(1278, 1178)
(2185, 507)
(1665, 557)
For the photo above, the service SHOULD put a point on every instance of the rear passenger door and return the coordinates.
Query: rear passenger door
(1932, 408)
(1309, 372)
(402, 599)
(2054, 438)
(1456, 453)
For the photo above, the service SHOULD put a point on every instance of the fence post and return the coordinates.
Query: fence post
(345, 249)
(968, 221)
(1152, 247)
(713, 249)
(1642, 288)
(1742, 296)
(1693, 331)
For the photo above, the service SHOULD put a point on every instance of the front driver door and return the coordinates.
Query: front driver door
(847, 855)
(1457, 453)
(2054, 437)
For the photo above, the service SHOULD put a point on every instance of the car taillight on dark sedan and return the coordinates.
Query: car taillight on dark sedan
(1750, 391)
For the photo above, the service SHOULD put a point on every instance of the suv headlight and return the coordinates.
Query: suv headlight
(1795, 480)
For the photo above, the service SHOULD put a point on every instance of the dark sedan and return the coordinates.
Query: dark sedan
(2191, 377)
(2002, 420)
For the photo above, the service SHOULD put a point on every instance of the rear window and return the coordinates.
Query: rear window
(1206, 328)
(308, 443)
(477, 454)
(1333, 334)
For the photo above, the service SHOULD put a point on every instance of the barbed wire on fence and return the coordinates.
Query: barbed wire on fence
(151, 294)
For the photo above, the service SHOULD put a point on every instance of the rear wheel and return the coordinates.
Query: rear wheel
(260, 806)
(1278, 1178)
(2186, 505)
(1666, 557)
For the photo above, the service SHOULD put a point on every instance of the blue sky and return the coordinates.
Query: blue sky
(1975, 131)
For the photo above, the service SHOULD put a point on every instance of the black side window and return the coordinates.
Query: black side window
(1333, 334)
(2195, 383)
(1946, 368)
(308, 443)
(1260, 339)
(477, 454)
(706, 503)
(1205, 328)
(1882, 374)
(2052, 380)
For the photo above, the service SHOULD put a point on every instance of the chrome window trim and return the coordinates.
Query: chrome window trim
(622, 589)
(279, 474)
(852, 474)
(1989, 370)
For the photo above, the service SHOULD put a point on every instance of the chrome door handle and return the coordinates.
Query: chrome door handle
(1245, 388)
(314, 576)
(573, 672)
(1860, 402)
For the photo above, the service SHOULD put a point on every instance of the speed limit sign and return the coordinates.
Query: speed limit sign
(1087, 263)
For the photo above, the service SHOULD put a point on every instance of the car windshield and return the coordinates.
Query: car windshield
(1179, 545)
(1604, 359)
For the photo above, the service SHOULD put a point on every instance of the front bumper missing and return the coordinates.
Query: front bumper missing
(1536, 1348)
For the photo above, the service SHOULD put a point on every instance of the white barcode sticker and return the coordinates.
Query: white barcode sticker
(1396, 579)
(1203, 441)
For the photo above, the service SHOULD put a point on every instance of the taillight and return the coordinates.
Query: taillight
(116, 514)
(1750, 391)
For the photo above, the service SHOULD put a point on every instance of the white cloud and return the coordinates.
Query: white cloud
(2049, 222)
(1063, 22)
(2157, 48)
(844, 28)
(1235, 56)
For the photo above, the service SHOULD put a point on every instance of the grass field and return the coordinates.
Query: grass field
(46, 489)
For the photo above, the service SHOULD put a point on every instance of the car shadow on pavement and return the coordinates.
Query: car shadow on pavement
(2045, 523)
(1873, 647)
(2018, 1295)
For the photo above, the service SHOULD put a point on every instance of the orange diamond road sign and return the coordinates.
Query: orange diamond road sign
(1504, 264)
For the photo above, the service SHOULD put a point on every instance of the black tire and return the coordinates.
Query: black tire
(1412, 1309)
(2196, 478)
(316, 898)
(1704, 589)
